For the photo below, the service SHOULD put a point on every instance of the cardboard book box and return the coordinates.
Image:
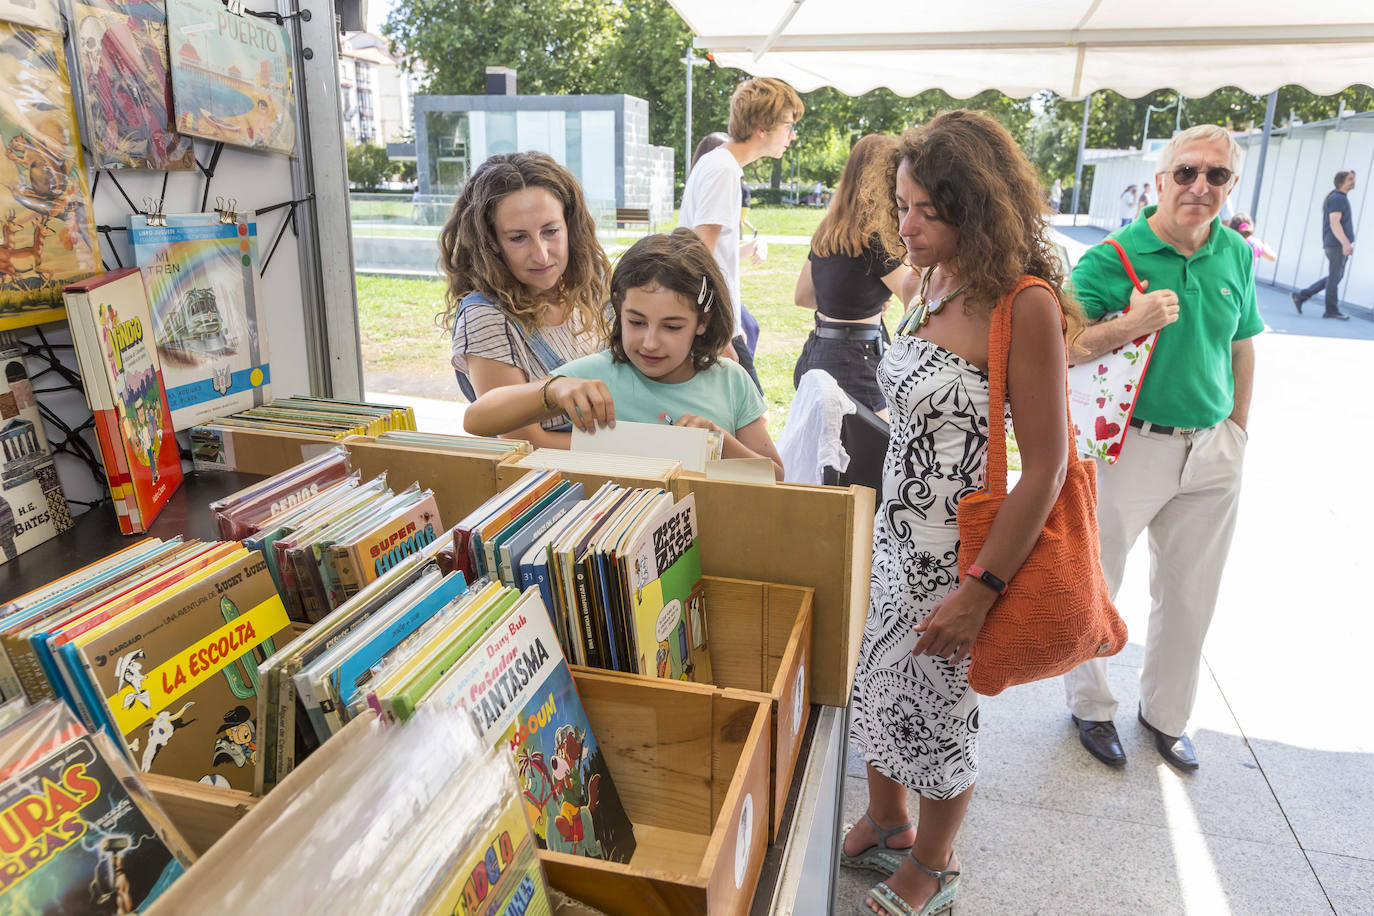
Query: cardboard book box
(691, 768)
(460, 483)
(760, 644)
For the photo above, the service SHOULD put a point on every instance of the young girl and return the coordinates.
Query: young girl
(672, 319)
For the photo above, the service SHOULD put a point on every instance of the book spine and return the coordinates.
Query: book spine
(21, 654)
(584, 610)
(348, 569)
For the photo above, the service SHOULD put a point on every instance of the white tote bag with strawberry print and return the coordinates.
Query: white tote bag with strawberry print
(1103, 391)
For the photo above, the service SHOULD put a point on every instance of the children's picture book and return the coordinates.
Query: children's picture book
(33, 507)
(41, 14)
(231, 76)
(208, 320)
(81, 836)
(111, 323)
(124, 87)
(176, 679)
(516, 683)
(47, 230)
(663, 566)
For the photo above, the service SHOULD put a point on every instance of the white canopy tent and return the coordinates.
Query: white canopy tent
(1073, 47)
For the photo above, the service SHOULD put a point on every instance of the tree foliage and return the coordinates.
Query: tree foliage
(368, 165)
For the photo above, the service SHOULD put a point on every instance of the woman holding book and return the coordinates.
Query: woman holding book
(970, 213)
(849, 276)
(527, 279)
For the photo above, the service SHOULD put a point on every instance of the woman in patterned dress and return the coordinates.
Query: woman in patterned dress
(971, 215)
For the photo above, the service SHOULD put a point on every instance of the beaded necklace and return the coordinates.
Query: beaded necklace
(920, 313)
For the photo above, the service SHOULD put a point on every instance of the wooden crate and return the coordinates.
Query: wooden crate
(510, 471)
(252, 451)
(460, 483)
(691, 766)
(797, 534)
(201, 813)
(761, 645)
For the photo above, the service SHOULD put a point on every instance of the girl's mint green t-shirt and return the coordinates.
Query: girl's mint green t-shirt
(722, 393)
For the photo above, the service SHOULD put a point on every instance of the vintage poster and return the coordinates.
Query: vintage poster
(32, 505)
(47, 231)
(125, 90)
(231, 76)
(202, 283)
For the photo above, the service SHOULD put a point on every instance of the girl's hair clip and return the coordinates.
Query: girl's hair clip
(706, 297)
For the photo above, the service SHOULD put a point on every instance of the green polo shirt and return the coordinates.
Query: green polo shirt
(1189, 382)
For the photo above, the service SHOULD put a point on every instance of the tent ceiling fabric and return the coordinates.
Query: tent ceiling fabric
(1072, 47)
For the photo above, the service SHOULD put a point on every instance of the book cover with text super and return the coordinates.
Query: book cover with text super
(211, 332)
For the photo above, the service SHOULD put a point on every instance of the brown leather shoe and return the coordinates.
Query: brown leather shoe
(1101, 740)
(1177, 751)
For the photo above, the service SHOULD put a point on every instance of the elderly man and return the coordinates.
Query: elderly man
(1180, 466)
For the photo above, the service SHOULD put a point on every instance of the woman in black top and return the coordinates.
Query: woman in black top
(849, 277)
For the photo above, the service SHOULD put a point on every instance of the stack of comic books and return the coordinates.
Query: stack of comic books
(421, 819)
(33, 507)
(619, 572)
(121, 373)
(82, 835)
(214, 443)
(159, 646)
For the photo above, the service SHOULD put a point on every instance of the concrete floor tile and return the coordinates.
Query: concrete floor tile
(1348, 882)
(1328, 797)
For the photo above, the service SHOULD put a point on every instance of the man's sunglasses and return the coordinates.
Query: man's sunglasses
(1217, 175)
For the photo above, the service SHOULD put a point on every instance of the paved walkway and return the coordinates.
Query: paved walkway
(1280, 818)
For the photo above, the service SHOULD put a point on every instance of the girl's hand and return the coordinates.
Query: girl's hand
(693, 420)
(587, 402)
(952, 625)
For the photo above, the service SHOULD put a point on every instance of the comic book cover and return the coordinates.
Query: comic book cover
(231, 76)
(498, 873)
(113, 310)
(41, 14)
(33, 507)
(178, 680)
(47, 230)
(362, 559)
(211, 333)
(516, 684)
(664, 569)
(124, 86)
(77, 838)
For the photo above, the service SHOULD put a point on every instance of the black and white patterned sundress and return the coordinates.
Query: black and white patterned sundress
(915, 718)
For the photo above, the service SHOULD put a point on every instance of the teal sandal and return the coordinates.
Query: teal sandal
(879, 857)
(942, 901)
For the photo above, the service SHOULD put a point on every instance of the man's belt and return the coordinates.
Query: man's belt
(1145, 426)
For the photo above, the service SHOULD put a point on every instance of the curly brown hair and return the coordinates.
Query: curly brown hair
(865, 188)
(678, 262)
(472, 259)
(982, 184)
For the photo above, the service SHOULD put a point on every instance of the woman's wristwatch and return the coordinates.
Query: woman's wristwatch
(991, 581)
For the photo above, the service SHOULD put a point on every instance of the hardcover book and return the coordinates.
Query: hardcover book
(124, 87)
(176, 679)
(208, 322)
(32, 505)
(663, 566)
(517, 686)
(111, 322)
(47, 231)
(231, 76)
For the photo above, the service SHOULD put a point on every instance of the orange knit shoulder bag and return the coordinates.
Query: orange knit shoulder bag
(1056, 612)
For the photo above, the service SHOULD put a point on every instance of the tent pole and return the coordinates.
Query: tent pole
(1264, 154)
(1082, 145)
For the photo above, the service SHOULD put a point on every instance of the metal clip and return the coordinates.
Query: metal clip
(152, 208)
(225, 209)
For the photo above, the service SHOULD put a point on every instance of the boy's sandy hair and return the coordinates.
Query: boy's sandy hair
(762, 104)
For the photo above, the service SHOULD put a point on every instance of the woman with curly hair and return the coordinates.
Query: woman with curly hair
(527, 279)
(971, 215)
(849, 276)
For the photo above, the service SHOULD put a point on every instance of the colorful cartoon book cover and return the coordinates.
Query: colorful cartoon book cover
(231, 76)
(116, 310)
(76, 841)
(669, 603)
(498, 873)
(47, 230)
(362, 560)
(178, 680)
(516, 684)
(33, 507)
(208, 322)
(125, 89)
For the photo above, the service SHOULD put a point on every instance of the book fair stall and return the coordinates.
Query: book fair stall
(264, 644)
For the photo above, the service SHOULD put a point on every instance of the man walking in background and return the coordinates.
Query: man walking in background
(763, 119)
(1338, 239)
